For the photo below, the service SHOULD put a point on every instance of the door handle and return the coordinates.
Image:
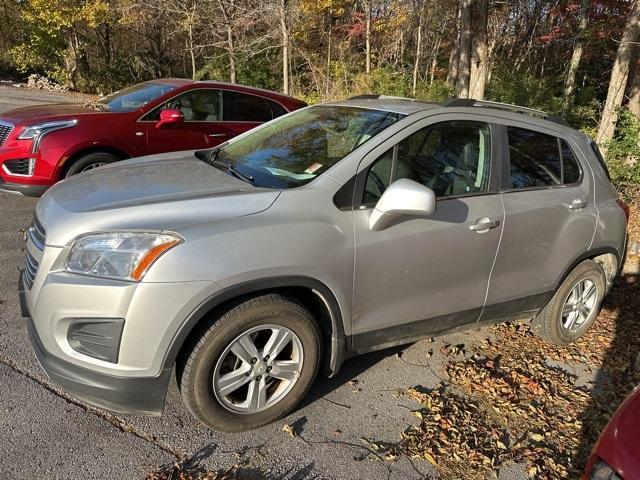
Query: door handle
(577, 204)
(484, 224)
(216, 135)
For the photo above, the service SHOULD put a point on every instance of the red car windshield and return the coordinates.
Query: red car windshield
(135, 97)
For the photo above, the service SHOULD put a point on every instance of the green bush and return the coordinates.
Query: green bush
(623, 157)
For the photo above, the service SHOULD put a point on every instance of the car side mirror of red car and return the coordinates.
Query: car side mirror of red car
(170, 117)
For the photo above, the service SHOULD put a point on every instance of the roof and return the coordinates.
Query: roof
(505, 111)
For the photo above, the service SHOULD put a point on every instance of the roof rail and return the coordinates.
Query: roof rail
(374, 96)
(470, 102)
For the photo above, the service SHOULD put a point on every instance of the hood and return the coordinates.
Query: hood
(160, 192)
(55, 111)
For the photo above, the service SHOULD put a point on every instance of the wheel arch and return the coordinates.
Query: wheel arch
(81, 152)
(607, 257)
(312, 293)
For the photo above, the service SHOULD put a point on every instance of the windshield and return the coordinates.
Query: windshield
(132, 98)
(294, 150)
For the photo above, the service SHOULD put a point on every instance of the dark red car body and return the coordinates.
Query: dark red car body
(30, 168)
(619, 444)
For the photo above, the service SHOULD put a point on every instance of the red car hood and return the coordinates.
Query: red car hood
(60, 111)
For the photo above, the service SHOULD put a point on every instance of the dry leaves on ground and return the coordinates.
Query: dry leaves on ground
(514, 398)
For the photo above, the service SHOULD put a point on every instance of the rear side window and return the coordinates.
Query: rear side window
(596, 152)
(540, 160)
(240, 107)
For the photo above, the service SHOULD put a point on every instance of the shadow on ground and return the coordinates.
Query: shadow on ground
(616, 377)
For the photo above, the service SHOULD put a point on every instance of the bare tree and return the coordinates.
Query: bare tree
(464, 65)
(619, 76)
(367, 35)
(479, 50)
(418, 56)
(286, 42)
(578, 47)
(634, 89)
(454, 56)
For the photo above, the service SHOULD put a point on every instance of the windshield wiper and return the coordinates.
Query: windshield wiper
(229, 168)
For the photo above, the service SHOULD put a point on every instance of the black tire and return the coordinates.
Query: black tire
(197, 369)
(88, 161)
(549, 322)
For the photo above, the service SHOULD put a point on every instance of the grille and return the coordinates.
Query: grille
(20, 166)
(36, 234)
(31, 268)
(5, 130)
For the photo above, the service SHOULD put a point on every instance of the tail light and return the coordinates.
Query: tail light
(624, 207)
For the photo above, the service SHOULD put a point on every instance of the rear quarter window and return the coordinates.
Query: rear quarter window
(540, 160)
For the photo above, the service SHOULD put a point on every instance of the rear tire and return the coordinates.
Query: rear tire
(89, 162)
(209, 395)
(574, 307)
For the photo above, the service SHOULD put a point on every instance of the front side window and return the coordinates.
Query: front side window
(540, 160)
(451, 158)
(295, 149)
(201, 105)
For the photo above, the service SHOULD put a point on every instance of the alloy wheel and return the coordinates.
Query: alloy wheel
(579, 305)
(258, 369)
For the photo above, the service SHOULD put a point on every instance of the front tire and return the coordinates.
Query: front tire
(574, 307)
(89, 162)
(253, 365)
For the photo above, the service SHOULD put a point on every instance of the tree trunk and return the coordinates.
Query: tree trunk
(634, 89)
(416, 64)
(454, 56)
(464, 66)
(231, 51)
(619, 76)
(284, 29)
(192, 53)
(480, 49)
(578, 47)
(367, 12)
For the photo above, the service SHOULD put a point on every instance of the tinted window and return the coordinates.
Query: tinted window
(297, 148)
(596, 152)
(451, 158)
(277, 109)
(535, 159)
(239, 107)
(136, 96)
(570, 167)
(196, 105)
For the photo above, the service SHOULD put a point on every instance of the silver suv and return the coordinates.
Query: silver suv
(335, 230)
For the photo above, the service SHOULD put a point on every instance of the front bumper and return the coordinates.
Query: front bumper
(23, 188)
(141, 395)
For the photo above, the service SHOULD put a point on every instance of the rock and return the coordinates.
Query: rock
(632, 265)
(634, 247)
(38, 82)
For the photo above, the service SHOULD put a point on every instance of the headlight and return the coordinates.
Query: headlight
(602, 471)
(38, 131)
(118, 255)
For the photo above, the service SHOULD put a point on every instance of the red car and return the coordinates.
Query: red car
(43, 144)
(616, 455)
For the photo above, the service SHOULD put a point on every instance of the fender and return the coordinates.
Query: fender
(594, 252)
(87, 147)
(334, 352)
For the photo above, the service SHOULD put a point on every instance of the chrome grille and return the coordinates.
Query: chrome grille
(5, 130)
(35, 234)
(31, 268)
(20, 166)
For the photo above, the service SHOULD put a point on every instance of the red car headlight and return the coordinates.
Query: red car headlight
(602, 471)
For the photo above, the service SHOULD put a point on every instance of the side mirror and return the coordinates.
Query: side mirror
(402, 197)
(170, 117)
